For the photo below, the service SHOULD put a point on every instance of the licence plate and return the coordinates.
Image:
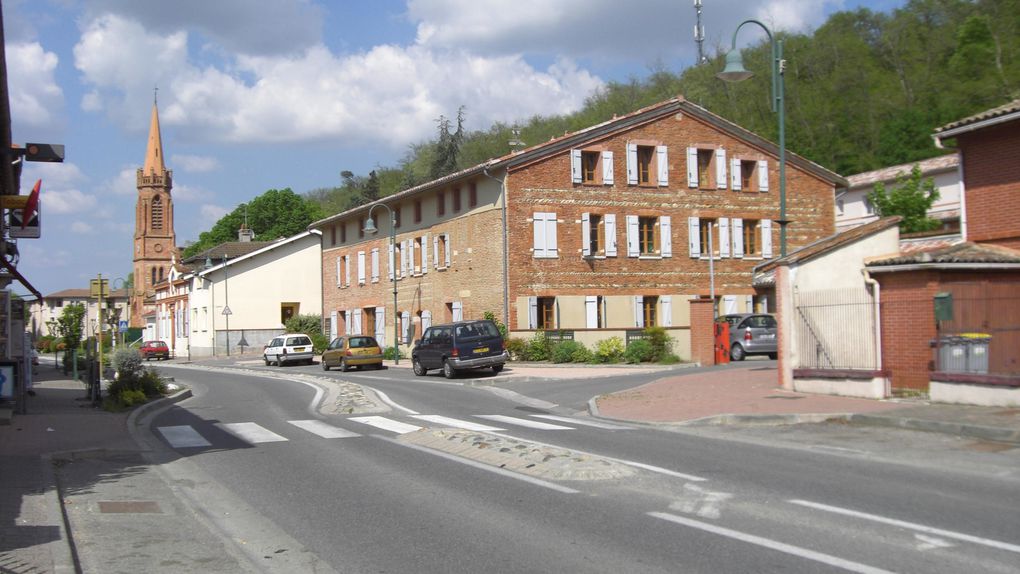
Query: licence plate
(482, 350)
(768, 336)
(299, 349)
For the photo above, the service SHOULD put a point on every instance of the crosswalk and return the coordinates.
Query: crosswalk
(190, 437)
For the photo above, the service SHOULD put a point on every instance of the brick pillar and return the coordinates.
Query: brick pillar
(702, 332)
(784, 316)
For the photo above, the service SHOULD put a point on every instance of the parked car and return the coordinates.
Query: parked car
(352, 351)
(289, 348)
(459, 346)
(154, 350)
(752, 334)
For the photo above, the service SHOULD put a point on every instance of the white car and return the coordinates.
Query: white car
(289, 348)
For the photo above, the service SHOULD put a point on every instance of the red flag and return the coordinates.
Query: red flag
(31, 204)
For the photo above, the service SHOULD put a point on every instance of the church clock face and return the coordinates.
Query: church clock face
(158, 247)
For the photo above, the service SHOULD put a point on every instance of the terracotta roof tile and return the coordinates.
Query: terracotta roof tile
(966, 252)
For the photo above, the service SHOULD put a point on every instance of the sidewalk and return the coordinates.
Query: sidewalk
(65, 465)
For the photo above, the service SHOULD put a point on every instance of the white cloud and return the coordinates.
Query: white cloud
(81, 227)
(185, 192)
(211, 214)
(36, 99)
(68, 201)
(795, 15)
(124, 183)
(194, 163)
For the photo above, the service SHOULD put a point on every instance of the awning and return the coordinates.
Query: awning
(14, 271)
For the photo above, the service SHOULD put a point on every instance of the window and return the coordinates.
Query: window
(288, 311)
(705, 230)
(441, 250)
(361, 227)
(417, 211)
(157, 213)
(440, 204)
(456, 199)
(644, 163)
(593, 236)
(420, 263)
(545, 235)
(396, 216)
(647, 164)
(749, 175)
(648, 307)
(649, 236)
(546, 313)
(646, 235)
(704, 163)
(473, 195)
(750, 237)
(746, 173)
(343, 233)
(591, 167)
(332, 235)
(706, 168)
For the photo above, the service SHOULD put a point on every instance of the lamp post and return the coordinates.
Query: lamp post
(371, 228)
(735, 72)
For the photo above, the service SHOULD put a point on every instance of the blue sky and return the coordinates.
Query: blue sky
(294, 92)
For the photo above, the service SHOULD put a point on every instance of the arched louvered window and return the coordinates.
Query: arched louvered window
(153, 276)
(157, 213)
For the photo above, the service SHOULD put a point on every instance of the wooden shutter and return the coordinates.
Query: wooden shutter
(458, 311)
(585, 234)
(575, 165)
(735, 173)
(334, 328)
(380, 324)
(435, 251)
(356, 322)
(607, 168)
(662, 165)
(532, 312)
(763, 175)
(348, 317)
(609, 220)
(538, 238)
(666, 311)
(738, 237)
(729, 304)
(408, 325)
(631, 164)
(720, 168)
(425, 252)
(426, 320)
(551, 249)
(392, 260)
(666, 236)
(591, 312)
(375, 265)
(347, 270)
(693, 237)
(361, 268)
(339, 282)
(724, 237)
(446, 245)
(639, 312)
(633, 247)
(766, 238)
(692, 167)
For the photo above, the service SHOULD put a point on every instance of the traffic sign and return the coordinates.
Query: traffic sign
(122, 326)
(227, 311)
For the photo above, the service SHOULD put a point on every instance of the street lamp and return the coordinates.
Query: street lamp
(735, 72)
(371, 228)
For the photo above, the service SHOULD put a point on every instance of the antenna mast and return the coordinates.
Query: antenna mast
(699, 33)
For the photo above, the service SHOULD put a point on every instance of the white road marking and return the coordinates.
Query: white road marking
(772, 544)
(251, 432)
(483, 466)
(697, 500)
(389, 401)
(324, 430)
(456, 423)
(386, 424)
(523, 422)
(584, 422)
(183, 437)
(930, 542)
(910, 525)
(519, 398)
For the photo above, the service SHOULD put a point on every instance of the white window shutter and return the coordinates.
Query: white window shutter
(662, 164)
(666, 236)
(347, 270)
(639, 315)
(763, 175)
(425, 253)
(380, 325)
(633, 248)
(446, 243)
(435, 251)
(458, 311)
(591, 314)
(334, 329)
(585, 234)
(766, 238)
(729, 304)
(361, 268)
(749, 303)
(538, 243)
(666, 308)
(348, 318)
(408, 325)
(575, 165)
(550, 235)
(609, 220)
(607, 168)
(694, 236)
(357, 322)
(403, 258)
(375, 265)
(692, 167)
(724, 237)
(738, 237)
(720, 168)
(631, 164)
(412, 257)
(339, 282)
(426, 320)
(392, 261)
(735, 174)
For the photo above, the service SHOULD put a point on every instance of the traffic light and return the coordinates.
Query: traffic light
(44, 152)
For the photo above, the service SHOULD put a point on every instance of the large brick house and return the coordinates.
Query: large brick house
(594, 234)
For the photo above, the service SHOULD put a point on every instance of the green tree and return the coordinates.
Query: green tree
(447, 149)
(71, 325)
(911, 199)
(272, 215)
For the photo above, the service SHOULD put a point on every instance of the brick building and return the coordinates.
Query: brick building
(594, 234)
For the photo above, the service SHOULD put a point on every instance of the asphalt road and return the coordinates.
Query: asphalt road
(359, 494)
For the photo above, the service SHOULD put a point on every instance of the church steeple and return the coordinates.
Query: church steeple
(154, 152)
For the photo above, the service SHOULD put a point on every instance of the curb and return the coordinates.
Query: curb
(995, 434)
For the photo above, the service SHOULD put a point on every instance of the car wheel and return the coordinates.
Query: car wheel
(737, 353)
(343, 366)
(266, 359)
(325, 366)
(497, 368)
(279, 361)
(448, 370)
(419, 369)
(773, 356)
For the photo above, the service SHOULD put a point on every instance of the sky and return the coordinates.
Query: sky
(274, 94)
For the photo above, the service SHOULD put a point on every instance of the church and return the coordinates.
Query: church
(155, 244)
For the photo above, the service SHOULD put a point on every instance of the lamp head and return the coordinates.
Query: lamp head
(735, 71)
(370, 225)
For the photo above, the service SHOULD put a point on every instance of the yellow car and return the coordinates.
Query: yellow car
(352, 351)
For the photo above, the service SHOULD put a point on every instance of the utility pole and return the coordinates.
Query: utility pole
(699, 33)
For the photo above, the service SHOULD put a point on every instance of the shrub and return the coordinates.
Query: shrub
(127, 362)
(609, 350)
(320, 342)
(660, 341)
(132, 397)
(638, 351)
(151, 384)
(390, 353)
(669, 359)
(499, 324)
(581, 354)
(517, 348)
(538, 348)
(564, 351)
(307, 324)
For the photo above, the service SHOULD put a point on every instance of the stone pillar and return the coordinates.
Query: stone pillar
(702, 332)
(784, 316)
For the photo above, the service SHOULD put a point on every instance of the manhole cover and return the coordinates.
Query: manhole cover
(129, 507)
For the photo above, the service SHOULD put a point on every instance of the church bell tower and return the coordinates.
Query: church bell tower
(155, 242)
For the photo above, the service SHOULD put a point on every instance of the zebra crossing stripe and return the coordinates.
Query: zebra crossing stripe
(324, 430)
(583, 422)
(183, 437)
(456, 423)
(386, 424)
(524, 422)
(251, 432)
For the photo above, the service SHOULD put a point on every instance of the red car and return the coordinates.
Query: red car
(154, 350)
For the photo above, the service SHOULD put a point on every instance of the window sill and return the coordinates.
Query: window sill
(651, 257)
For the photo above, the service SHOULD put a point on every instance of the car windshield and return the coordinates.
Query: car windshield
(361, 342)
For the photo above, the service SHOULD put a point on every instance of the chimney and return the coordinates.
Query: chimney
(245, 235)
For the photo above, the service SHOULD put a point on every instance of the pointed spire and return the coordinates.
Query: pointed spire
(154, 151)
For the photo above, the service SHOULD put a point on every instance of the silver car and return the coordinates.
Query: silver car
(752, 334)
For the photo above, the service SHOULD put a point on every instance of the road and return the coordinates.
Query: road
(469, 476)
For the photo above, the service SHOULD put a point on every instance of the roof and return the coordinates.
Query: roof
(85, 294)
(260, 247)
(915, 245)
(677, 105)
(830, 243)
(892, 173)
(230, 249)
(965, 253)
(1005, 113)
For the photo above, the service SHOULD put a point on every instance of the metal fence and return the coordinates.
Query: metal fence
(835, 329)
